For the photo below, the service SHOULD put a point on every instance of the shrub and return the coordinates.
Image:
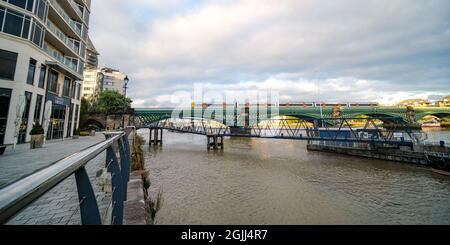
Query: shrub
(137, 156)
(84, 133)
(76, 132)
(37, 129)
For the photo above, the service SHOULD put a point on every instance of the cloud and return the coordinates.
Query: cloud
(356, 50)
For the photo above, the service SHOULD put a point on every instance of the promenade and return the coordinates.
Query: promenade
(60, 205)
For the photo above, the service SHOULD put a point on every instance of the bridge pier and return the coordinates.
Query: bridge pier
(214, 141)
(157, 138)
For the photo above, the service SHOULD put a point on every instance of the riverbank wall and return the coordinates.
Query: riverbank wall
(397, 155)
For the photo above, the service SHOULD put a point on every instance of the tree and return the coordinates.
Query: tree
(112, 102)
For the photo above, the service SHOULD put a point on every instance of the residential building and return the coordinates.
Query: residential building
(91, 55)
(42, 56)
(415, 103)
(98, 80)
(92, 84)
(113, 80)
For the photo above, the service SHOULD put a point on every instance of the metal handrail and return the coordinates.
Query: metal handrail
(19, 194)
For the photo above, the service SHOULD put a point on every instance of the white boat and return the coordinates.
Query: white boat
(431, 124)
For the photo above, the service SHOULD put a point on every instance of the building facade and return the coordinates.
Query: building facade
(42, 56)
(98, 80)
(91, 55)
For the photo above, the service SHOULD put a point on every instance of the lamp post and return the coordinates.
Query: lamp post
(125, 86)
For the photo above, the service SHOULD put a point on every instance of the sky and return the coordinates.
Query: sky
(305, 50)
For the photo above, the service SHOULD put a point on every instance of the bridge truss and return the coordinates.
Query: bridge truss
(368, 130)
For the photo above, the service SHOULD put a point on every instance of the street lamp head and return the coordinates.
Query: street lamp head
(126, 79)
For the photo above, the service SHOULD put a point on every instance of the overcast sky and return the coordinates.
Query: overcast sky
(350, 50)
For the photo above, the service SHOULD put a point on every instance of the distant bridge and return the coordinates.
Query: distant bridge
(297, 122)
(148, 116)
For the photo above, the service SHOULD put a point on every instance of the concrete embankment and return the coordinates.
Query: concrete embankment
(414, 157)
(135, 210)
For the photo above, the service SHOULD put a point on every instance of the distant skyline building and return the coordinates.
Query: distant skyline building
(92, 83)
(42, 57)
(98, 80)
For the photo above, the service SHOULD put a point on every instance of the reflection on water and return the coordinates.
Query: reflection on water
(264, 181)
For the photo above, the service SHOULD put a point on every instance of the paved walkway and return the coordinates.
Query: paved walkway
(59, 205)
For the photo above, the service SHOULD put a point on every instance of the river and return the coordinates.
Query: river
(264, 181)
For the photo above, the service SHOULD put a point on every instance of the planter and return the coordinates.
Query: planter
(92, 133)
(37, 141)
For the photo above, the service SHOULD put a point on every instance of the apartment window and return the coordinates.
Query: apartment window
(8, 62)
(74, 89)
(75, 121)
(66, 87)
(13, 23)
(53, 81)
(31, 71)
(78, 91)
(26, 27)
(37, 108)
(37, 34)
(25, 4)
(26, 113)
(42, 74)
(41, 9)
(2, 14)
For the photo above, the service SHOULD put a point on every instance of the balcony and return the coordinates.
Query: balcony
(64, 64)
(74, 11)
(58, 12)
(63, 43)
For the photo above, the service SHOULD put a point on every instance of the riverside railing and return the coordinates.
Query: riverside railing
(15, 197)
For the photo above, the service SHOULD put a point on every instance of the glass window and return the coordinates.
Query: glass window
(52, 81)
(8, 62)
(26, 27)
(66, 87)
(37, 108)
(41, 9)
(13, 23)
(26, 112)
(30, 5)
(37, 34)
(78, 91)
(19, 3)
(74, 89)
(75, 121)
(42, 74)
(2, 13)
(31, 71)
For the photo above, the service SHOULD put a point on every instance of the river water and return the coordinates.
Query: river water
(264, 181)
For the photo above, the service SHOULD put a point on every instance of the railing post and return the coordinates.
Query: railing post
(117, 184)
(124, 165)
(90, 214)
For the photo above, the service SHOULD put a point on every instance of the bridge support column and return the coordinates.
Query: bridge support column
(156, 137)
(214, 141)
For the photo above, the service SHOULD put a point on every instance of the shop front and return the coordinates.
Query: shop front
(60, 109)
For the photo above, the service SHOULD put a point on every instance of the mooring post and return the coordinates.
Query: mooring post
(150, 137)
